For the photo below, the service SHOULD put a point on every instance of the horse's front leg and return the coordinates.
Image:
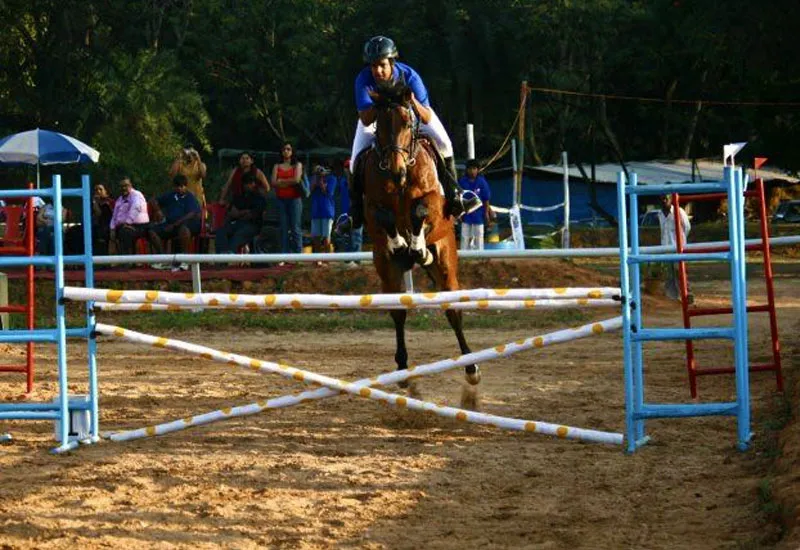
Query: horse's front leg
(443, 273)
(391, 282)
(401, 353)
(419, 252)
(472, 372)
(386, 220)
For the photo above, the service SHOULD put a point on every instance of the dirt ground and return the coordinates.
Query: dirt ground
(348, 473)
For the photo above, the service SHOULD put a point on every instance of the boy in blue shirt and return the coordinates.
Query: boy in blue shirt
(472, 224)
(323, 188)
(181, 216)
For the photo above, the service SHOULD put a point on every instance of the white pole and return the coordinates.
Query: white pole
(565, 233)
(408, 281)
(470, 141)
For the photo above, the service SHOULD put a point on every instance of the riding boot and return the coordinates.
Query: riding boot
(457, 204)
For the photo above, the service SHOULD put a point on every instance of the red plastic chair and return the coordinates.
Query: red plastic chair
(13, 235)
(218, 212)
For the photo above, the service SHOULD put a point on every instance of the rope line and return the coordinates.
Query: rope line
(661, 100)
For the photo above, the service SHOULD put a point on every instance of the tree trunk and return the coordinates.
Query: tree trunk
(667, 115)
(611, 136)
(687, 147)
(593, 196)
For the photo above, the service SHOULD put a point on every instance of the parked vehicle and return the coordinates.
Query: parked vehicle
(787, 212)
(649, 219)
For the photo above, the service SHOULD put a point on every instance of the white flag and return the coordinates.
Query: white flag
(730, 150)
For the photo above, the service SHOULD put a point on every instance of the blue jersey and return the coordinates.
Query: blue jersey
(480, 187)
(366, 82)
(322, 202)
(175, 206)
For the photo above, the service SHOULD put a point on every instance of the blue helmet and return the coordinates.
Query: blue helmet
(379, 47)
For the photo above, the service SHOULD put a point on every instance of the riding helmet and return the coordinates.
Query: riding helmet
(379, 47)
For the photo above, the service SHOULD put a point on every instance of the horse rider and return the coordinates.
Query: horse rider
(380, 56)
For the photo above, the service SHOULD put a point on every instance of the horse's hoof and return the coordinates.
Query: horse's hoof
(474, 378)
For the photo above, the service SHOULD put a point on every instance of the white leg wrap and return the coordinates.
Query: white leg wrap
(418, 245)
(397, 243)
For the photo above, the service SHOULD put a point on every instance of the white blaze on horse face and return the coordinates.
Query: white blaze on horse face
(396, 243)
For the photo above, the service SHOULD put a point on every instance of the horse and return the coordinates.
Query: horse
(404, 215)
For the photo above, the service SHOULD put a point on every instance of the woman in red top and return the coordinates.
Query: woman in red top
(286, 179)
(233, 187)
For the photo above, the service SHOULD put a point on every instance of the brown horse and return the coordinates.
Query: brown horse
(404, 213)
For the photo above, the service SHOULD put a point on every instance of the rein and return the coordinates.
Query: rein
(409, 152)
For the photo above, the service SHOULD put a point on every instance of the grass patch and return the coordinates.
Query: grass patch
(330, 321)
(774, 511)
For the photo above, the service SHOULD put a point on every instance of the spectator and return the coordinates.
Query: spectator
(287, 180)
(102, 211)
(244, 219)
(45, 226)
(234, 186)
(323, 189)
(45, 223)
(130, 220)
(189, 164)
(472, 224)
(181, 212)
(666, 222)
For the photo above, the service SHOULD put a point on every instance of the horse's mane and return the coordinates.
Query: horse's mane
(391, 93)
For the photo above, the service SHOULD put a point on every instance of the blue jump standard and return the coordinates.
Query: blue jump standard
(634, 332)
(62, 407)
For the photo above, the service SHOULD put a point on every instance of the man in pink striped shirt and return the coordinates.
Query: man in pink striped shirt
(130, 219)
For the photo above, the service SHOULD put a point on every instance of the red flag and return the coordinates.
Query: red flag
(758, 162)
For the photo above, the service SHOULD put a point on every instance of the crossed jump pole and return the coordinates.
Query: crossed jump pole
(481, 298)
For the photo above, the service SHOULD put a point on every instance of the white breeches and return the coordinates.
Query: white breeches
(365, 137)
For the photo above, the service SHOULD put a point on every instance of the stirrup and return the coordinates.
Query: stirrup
(471, 201)
(464, 203)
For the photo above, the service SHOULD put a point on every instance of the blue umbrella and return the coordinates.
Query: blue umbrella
(44, 147)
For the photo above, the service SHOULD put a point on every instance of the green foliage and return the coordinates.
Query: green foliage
(138, 78)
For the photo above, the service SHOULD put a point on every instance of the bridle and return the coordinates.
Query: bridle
(409, 153)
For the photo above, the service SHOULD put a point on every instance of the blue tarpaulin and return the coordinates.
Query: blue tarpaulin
(542, 193)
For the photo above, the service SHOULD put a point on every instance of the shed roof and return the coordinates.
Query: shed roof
(658, 172)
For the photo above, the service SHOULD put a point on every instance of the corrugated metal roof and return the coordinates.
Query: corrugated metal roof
(658, 172)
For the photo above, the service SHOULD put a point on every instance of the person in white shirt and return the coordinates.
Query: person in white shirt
(666, 221)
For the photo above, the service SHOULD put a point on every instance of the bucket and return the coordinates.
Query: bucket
(79, 419)
(493, 234)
